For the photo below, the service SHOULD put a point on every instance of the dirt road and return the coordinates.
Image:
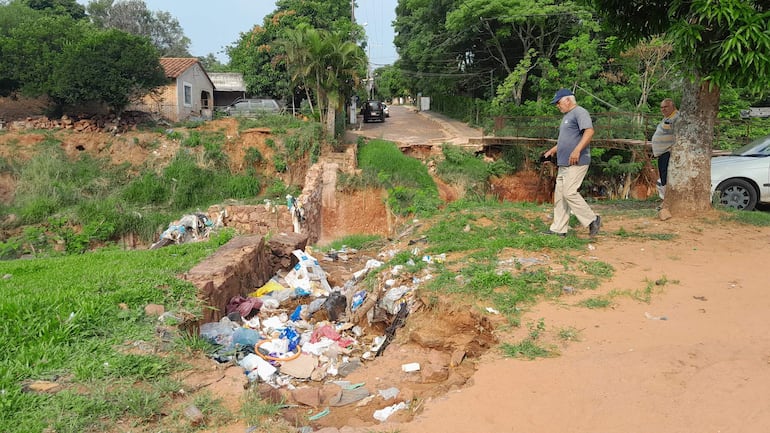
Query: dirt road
(407, 126)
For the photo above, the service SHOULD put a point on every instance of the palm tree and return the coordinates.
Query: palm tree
(332, 64)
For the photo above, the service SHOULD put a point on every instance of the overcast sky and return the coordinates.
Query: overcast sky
(211, 26)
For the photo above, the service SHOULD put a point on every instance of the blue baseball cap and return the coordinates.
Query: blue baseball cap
(560, 94)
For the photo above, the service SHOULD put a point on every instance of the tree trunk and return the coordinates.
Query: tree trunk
(331, 119)
(688, 192)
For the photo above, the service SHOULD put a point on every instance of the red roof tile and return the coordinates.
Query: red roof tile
(174, 66)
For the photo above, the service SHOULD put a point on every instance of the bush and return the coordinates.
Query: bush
(410, 187)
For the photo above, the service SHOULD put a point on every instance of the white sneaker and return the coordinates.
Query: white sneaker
(661, 190)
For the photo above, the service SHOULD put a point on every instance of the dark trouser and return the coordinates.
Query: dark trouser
(663, 167)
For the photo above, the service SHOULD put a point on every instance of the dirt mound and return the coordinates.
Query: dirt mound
(530, 186)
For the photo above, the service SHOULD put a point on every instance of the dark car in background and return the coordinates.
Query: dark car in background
(373, 110)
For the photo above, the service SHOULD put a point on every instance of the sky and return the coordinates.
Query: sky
(211, 26)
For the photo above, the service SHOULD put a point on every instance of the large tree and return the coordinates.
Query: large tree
(67, 7)
(519, 32)
(326, 62)
(110, 66)
(31, 43)
(255, 53)
(132, 16)
(719, 43)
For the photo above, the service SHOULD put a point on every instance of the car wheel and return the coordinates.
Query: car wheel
(738, 194)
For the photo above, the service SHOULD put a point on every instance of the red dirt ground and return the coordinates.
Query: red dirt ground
(705, 368)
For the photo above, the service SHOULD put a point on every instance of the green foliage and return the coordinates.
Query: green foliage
(360, 241)
(61, 316)
(253, 157)
(279, 163)
(162, 29)
(597, 302)
(32, 43)
(759, 219)
(148, 189)
(278, 190)
(193, 139)
(108, 66)
(529, 347)
(461, 168)
(410, 187)
(214, 154)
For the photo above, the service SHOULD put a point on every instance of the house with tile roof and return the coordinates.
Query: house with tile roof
(189, 93)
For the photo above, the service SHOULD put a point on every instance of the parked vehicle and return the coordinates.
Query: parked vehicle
(253, 107)
(373, 110)
(742, 179)
(385, 110)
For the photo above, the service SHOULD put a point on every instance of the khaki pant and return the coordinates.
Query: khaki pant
(566, 198)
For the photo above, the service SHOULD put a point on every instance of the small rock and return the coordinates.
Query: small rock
(42, 386)
(457, 358)
(308, 396)
(193, 414)
(154, 310)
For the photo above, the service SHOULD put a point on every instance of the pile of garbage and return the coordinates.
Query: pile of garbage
(190, 228)
(296, 328)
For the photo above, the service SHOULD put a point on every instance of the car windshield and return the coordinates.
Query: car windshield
(758, 147)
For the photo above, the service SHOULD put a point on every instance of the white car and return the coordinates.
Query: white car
(742, 179)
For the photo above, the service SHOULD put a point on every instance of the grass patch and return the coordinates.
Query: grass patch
(460, 167)
(359, 241)
(474, 234)
(411, 189)
(596, 302)
(624, 233)
(753, 218)
(569, 333)
(62, 317)
(530, 348)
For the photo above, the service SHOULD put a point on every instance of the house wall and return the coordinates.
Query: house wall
(168, 101)
(196, 78)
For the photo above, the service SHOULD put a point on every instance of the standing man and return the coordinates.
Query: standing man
(573, 156)
(662, 140)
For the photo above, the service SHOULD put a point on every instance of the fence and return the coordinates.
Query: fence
(625, 129)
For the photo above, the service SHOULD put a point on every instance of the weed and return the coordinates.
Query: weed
(354, 241)
(526, 348)
(257, 411)
(569, 334)
(253, 157)
(623, 233)
(214, 413)
(598, 269)
(193, 139)
(411, 190)
(759, 219)
(595, 303)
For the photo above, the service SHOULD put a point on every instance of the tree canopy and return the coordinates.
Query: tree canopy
(130, 62)
(132, 16)
(71, 61)
(719, 43)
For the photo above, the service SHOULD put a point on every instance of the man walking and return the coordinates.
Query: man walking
(573, 156)
(662, 140)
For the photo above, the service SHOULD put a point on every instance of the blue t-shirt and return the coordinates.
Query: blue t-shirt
(571, 130)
